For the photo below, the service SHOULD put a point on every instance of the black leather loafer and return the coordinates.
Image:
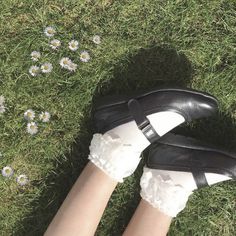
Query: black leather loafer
(191, 104)
(179, 153)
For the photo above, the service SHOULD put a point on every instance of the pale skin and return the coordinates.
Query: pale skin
(81, 211)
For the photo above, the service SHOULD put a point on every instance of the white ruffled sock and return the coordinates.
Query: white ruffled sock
(117, 152)
(169, 190)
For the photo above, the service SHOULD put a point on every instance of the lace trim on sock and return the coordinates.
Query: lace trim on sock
(161, 192)
(111, 155)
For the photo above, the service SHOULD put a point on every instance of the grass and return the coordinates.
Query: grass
(144, 44)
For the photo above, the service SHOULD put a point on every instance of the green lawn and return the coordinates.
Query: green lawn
(144, 44)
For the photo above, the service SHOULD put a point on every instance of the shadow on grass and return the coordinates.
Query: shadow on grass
(147, 69)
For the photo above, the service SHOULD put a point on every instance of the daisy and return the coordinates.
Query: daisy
(22, 180)
(72, 67)
(2, 106)
(32, 128)
(73, 45)
(2, 100)
(29, 114)
(45, 116)
(2, 109)
(35, 55)
(46, 67)
(34, 70)
(7, 171)
(96, 39)
(49, 31)
(65, 62)
(55, 44)
(84, 56)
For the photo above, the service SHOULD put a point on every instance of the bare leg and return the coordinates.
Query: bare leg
(148, 220)
(83, 207)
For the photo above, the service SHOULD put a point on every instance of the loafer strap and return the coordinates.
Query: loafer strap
(200, 178)
(142, 121)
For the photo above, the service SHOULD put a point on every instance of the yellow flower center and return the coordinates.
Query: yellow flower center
(8, 171)
(33, 127)
(46, 67)
(50, 31)
(21, 179)
(29, 114)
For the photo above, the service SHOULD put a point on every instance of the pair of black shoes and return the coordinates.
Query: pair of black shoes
(169, 152)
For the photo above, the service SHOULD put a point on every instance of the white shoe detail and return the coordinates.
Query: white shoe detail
(213, 178)
(165, 121)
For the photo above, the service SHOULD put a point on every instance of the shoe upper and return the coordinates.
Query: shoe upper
(191, 104)
(179, 153)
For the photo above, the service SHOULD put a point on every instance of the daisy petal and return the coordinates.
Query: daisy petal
(73, 45)
(65, 62)
(45, 116)
(35, 55)
(34, 70)
(96, 39)
(32, 128)
(49, 31)
(46, 67)
(7, 171)
(84, 56)
(55, 44)
(29, 114)
(22, 180)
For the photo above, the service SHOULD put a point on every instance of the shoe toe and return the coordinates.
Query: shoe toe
(200, 106)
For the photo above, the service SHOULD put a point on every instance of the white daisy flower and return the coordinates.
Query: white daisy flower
(73, 45)
(2, 106)
(32, 128)
(2, 100)
(49, 31)
(45, 116)
(2, 109)
(29, 114)
(46, 67)
(22, 180)
(55, 44)
(96, 39)
(84, 56)
(65, 62)
(34, 70)
(35, 55)
(72, 67)
(7, 171)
